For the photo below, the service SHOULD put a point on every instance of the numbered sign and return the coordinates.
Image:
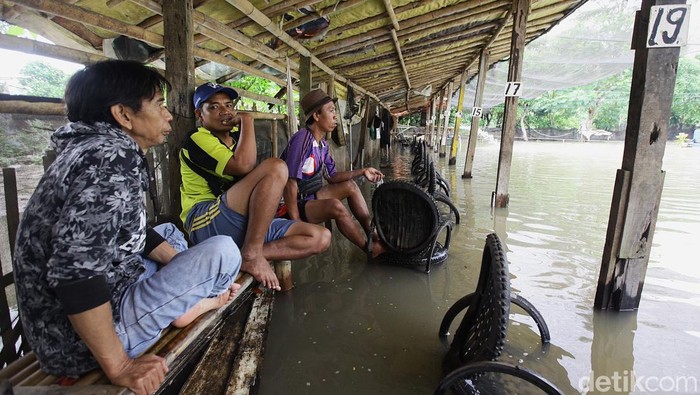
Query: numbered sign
(668, 26)
(476, 111)
(513, 89)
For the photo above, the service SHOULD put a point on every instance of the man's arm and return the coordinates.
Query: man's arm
(245, 157)
(142, 375)
(163, 253)
(290, 198)
(370, 173)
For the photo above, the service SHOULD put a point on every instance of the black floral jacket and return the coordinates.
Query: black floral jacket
(79, 239)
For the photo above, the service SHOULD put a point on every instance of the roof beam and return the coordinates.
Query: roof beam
(103, 22)
(249, 9)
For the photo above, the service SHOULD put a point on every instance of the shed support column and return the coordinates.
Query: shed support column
(476, 118)
(446, 121)
(639, 183)
(429, 118)
(458, 120)
(304, 82)
(179, 70)
(439, 113)
(521, 9)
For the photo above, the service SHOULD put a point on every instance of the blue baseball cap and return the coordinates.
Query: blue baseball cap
(205, 91)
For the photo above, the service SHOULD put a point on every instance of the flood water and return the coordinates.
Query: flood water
(349, 327)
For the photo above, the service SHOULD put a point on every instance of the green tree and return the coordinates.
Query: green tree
(41, 79)
(686, 95)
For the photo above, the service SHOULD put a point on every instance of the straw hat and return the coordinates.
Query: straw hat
(314, 100)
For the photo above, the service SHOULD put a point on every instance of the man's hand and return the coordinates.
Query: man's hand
(372, 174)
(142, 375)
(240, 117)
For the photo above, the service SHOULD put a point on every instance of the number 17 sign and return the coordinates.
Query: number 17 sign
(668, 26)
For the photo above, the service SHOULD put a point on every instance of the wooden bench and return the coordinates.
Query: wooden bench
(246, 317)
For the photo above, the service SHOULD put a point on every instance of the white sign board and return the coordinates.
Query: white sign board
(513, 89)
(668, 26)
(476, 111)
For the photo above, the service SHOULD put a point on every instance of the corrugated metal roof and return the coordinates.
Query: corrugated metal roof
(362, 43)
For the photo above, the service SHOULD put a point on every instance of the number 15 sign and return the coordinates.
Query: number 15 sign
(668, 26)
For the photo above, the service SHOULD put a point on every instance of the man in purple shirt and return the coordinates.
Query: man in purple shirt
(310, 162)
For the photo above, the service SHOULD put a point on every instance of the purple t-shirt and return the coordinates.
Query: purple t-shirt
(305, 156)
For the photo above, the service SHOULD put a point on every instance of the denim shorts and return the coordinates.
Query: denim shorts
(211, 218)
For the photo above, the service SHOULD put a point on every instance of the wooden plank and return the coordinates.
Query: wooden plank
(56, 390)
(16, 367)
(211, 374)
(515, 65)
(252, 347)
(179, 70)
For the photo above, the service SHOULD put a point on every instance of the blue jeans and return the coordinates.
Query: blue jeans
(161, 296)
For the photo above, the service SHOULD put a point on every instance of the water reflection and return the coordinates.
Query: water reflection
(349, 327)
(612, 359)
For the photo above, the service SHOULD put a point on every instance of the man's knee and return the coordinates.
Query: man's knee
(276, 167)
(224, 250)
(323, 238)
(337, 209)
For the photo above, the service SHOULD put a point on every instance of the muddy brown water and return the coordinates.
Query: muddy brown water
(349, 327)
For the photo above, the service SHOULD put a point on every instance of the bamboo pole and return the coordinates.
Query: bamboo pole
(392, 15)
(31, 108)
(49, 50)
(401, 61)
(291, 114)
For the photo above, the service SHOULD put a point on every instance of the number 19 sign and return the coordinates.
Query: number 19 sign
(668, 26)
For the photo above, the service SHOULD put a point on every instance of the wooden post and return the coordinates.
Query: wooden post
(283, 270)
(291, 115)
(304, 82)
(179, 70)
(363, 133)
(439, 113)
(429, 118)
(9, 180)
(521, 9)
(639, 183)
(446, 123)
(273, 138)
(458, 120)
(476, 116)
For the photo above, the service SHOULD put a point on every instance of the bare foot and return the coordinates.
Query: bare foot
(261, 270)
(378, 248)
(205, 305)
